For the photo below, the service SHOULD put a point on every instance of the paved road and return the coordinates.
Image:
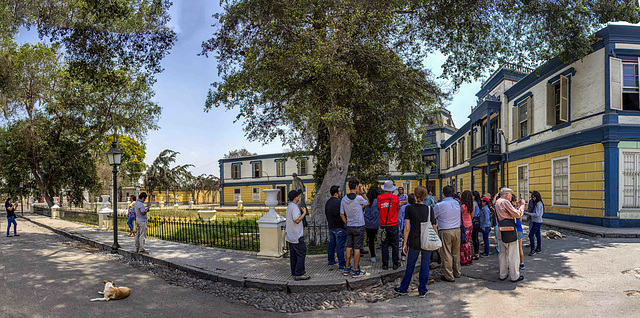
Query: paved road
(575, 277)
(42, 276)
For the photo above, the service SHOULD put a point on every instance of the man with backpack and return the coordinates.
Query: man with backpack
(388, 205)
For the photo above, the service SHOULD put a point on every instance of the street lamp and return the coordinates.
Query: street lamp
(115, 158)
(506, 145)
(427, 172)
(21, 206)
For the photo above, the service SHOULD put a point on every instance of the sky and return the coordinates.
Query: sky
(202, 138)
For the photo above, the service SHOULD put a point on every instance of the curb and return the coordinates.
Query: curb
(593, 234)
(266, 285)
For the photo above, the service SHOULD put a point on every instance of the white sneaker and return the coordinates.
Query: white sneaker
(404, 258)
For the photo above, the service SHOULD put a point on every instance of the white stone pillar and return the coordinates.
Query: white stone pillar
(271, 234)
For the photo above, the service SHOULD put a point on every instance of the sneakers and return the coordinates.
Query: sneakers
(399, 292)
(521, 266)
(532, 253)
(303, 277)
(519, 279)
(373, 260)
(358, 272)
(385, 267)
(341, 267)
(396, 266)
(347, 271)
(422, 294)
(539, 251)
(404, 257)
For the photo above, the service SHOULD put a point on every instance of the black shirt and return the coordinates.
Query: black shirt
(416, 214)
(11, 212)
(332, 211)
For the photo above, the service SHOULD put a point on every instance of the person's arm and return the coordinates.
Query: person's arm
(535, 211)
(301, 217)
(407, 228)
(511, 210)
(342, 216)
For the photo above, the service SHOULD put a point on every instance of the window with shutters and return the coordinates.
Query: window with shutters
(448, 157)
(523, 182)
(630, 93)
(483, 135)
(256, 169)
(461, 150)
(280, 171)
(454, 150)
(558, 101)
(302, 167)
(255, 194)
(523, 118)
(236, 171)
(560, 181)
(630, 178)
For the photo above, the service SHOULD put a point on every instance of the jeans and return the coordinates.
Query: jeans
(297, 253)
(372, 234)
(496, 232)
(12, 219)
(337, 239)
(412, 258)
(392, 240)
(535, 230)
(130, 222)
(485, 238)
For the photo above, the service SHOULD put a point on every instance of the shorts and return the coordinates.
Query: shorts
(355, 237)
(520, 235)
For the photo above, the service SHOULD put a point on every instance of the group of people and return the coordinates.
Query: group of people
(397, 218)
(138, 212)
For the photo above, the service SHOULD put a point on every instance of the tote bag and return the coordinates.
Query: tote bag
(429, 239)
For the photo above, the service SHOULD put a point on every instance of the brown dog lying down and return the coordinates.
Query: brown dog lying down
(112, 292)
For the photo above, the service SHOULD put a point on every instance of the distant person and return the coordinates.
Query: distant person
(508, 258)
(352, 214)
(11, 217)
(448, 219)
(431, 200)
(411, 199)
(388, 205)
(466, 210)
(402, 197)
(295, 237)
(131, 215)
(416, 214)
(141, 223)
(372, 220)
(337, 228)
(535, 215)
(476, 224)
(485, 223)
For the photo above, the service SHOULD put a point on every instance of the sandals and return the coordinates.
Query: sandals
(476, 257)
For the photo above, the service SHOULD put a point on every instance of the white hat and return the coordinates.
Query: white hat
(504, 191)
(388, 186)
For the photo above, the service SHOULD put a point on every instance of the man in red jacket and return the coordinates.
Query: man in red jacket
(388, 205)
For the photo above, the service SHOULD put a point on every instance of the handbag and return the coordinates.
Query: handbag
(435, 257)
(429, 239)
(508, 230)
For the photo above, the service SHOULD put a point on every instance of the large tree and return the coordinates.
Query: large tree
(94, 77)
(346, 78)
(160, 175)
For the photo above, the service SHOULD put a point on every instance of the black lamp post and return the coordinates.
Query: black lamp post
(21, 206)
(427, 172)
(115, 157)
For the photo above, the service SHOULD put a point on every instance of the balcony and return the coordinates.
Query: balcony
(493, 149)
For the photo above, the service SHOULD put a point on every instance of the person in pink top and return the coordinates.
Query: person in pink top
(509, 257)
(466, 208)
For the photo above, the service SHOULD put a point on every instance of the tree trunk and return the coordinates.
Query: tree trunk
(336, 174)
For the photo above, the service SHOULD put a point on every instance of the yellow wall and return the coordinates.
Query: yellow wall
(246, 193)
(586, 194)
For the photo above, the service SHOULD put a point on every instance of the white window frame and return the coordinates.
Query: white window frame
(525, 195)
(630, 89)
(621, 180)
(255, 195)
(553, 202)
(306, 167)
(524, 105)
(278, 166)
(233, 166)
(237, 196)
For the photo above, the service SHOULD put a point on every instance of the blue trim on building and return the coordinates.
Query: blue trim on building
(256, 183)
(496, 79)
(568, 73)
(252, 162)
(461, 132)
(265, 156)
(522, 99)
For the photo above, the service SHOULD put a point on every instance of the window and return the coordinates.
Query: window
(236, 195)
(280, 164)
(630, 179)
(630, 93)
(236, 171)
(522, 118)
(558, 101)
(454, 150)
(302, 167)
(448, 165)
(560, 181)
(523, 182)
(255, 194)
(461, 182)
(461, 150)
(483, 138)
(256, 169)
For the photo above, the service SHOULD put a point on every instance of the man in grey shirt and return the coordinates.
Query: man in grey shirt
(448, 217)
(353, 216)
(141, 222)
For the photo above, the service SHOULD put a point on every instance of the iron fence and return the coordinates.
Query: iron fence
(239, 234)
(316, 237)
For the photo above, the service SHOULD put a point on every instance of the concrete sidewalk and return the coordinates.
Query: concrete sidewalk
(594, 230)
(238, 268)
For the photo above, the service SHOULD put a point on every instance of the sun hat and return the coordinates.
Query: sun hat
(388, 186)
(293, 194)
(504, 191)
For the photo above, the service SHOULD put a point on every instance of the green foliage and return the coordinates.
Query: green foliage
(160, 175)
(133, 154)
(243, 152)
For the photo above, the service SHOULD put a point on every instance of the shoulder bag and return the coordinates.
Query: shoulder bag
(383, 233)
(508, 230)
(429, 239)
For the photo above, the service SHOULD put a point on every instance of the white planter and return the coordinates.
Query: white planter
(207, 215)
(271, 235)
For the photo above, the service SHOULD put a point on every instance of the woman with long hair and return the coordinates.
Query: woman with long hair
(536, 223)
(466, 208)
(11, 217)
(476, 224)
(372, 220)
